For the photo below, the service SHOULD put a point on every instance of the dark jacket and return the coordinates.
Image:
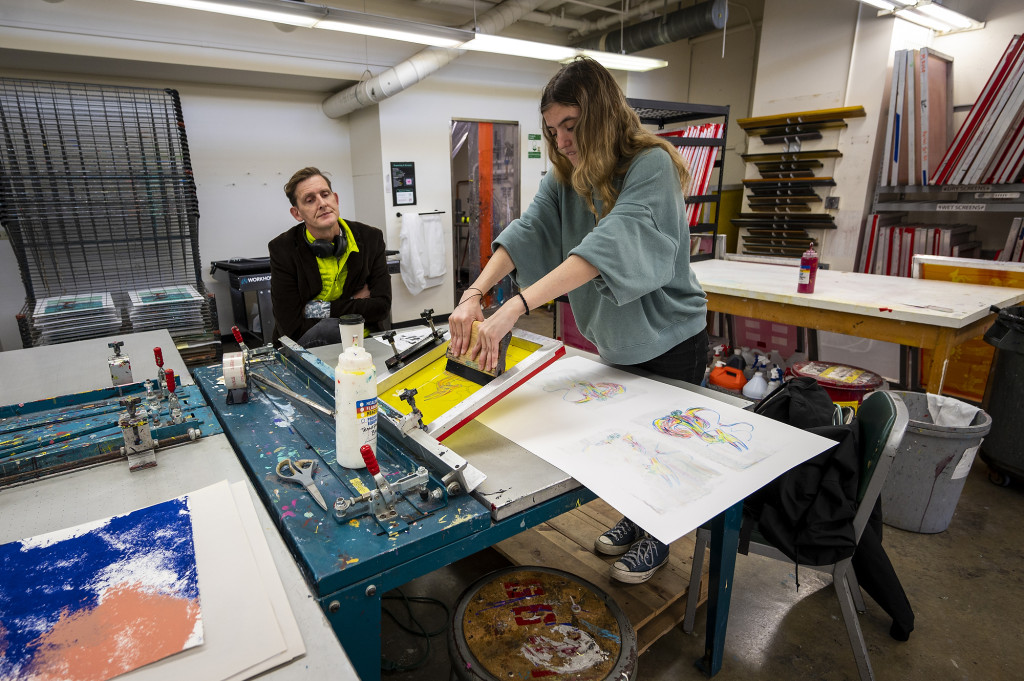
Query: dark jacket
(295, 280)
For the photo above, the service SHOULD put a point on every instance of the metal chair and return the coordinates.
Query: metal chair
(883, 419)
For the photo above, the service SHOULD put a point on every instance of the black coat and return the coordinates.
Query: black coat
(295, 280)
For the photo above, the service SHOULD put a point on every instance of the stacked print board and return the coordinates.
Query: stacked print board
(786, 199)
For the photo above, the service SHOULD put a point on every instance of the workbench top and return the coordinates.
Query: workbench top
(936, 303)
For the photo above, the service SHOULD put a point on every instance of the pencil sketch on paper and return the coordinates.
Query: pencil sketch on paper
(668, 472)
(579, 392)
(730, 440)
(98, 600)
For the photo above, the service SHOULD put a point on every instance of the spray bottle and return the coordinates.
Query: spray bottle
(808, 270)
(355, 404)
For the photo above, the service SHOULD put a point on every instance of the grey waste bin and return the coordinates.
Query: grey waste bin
(928, 473)
(1004, 396)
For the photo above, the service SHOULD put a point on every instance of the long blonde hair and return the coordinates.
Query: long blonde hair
(608, 131)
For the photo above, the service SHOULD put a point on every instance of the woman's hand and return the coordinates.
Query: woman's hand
(490, 333)
(460, 322)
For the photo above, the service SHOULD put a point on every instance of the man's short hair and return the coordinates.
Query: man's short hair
(302, 176)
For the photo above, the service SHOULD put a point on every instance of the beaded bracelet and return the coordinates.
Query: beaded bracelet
(524, 303)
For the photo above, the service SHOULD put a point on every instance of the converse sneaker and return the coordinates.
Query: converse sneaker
(617, 540)
(641, 561)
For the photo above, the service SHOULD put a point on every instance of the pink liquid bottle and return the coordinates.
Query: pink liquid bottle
(808, 270)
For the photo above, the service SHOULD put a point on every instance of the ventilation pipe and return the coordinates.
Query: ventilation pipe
(691, 22)
(393, 80)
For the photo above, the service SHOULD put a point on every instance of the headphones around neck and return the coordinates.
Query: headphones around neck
(322, 248)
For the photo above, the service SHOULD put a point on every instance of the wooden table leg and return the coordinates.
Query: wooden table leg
(940, 361)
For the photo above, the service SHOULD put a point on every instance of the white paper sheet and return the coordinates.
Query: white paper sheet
(667, 458)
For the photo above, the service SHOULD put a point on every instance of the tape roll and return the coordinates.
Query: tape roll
(234, 370)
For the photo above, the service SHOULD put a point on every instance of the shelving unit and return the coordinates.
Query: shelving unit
(783, 202)
(978, 198)
(663, 114)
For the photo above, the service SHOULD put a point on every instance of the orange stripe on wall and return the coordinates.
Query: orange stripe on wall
(486, 189)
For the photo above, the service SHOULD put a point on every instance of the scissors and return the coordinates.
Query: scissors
(301, 471)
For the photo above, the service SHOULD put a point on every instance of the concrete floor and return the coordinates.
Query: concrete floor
(966, 586)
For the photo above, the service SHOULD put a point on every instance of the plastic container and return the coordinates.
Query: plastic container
(1004, 395)
(756, 387)
(355, 404)
(846, 385)
(930, 468)
(727, 377)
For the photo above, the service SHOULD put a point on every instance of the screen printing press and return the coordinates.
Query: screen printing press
(63, 464)
(432, 501)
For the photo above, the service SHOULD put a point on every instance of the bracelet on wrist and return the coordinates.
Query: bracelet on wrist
(525, 305)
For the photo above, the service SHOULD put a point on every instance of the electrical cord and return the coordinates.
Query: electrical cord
(389, 665)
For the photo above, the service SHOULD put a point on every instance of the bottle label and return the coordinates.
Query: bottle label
(367, 409)
(805, 274)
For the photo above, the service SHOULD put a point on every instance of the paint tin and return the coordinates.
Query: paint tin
(846, 385)
(536, 622)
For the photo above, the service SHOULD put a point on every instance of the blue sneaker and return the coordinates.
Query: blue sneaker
(641, 561)
(617, 540)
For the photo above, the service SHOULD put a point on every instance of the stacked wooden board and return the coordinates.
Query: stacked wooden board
(786, 199)
(989, 146)
(920, 117)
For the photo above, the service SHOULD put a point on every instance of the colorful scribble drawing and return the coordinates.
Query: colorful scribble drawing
(98, 600)
(707, 427)
(443, 387)
(670, 469)
(579, 392)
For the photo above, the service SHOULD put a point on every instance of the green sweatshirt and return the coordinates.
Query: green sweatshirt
(646, 299)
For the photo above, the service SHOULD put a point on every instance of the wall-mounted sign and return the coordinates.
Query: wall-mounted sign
(533, 150)
(403, 183)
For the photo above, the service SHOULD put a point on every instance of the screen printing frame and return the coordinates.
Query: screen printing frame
(548, 350)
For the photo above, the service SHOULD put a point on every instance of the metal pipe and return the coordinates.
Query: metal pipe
(691, 22)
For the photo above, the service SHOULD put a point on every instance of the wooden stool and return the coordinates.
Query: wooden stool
(539, 623)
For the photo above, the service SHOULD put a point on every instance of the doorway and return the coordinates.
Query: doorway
(485, 198)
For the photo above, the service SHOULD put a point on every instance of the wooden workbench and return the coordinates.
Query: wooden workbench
(936, 315)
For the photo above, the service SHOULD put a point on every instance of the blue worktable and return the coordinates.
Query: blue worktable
(349, 564)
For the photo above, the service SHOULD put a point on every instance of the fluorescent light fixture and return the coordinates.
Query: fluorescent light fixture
(393, 29)
(624, 62)
(514, 47)
(280, 12)
(294, 13)
(927, 13)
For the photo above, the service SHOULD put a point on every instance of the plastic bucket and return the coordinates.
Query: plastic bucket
(930, 468)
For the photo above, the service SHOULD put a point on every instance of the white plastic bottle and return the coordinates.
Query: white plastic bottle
(756, 387)
(355, 401)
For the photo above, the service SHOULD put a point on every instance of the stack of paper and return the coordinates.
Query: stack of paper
(75, 317)
(175, 308)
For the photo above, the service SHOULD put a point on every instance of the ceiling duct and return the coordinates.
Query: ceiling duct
(691, 22)
(393, 80)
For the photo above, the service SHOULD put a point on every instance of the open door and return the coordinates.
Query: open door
(485, 197)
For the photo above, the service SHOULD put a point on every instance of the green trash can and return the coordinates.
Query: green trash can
(1004, 396)
(930, 468)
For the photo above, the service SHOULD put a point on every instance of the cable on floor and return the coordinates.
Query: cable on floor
(393, 666)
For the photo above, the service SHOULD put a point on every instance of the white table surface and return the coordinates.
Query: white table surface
(873, 295)
(52, 370)
(67, 500)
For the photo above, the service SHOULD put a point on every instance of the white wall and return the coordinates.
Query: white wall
(415, 126)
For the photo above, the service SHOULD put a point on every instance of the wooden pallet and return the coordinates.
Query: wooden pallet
(567, 543)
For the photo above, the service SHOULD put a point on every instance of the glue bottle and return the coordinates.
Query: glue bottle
(808, 270)
(355, 404)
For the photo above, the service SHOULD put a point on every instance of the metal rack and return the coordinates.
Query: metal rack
(662, 114)
(98, 197)
(975, 198)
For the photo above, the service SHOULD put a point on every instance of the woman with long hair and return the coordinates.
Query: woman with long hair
(607, 227)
